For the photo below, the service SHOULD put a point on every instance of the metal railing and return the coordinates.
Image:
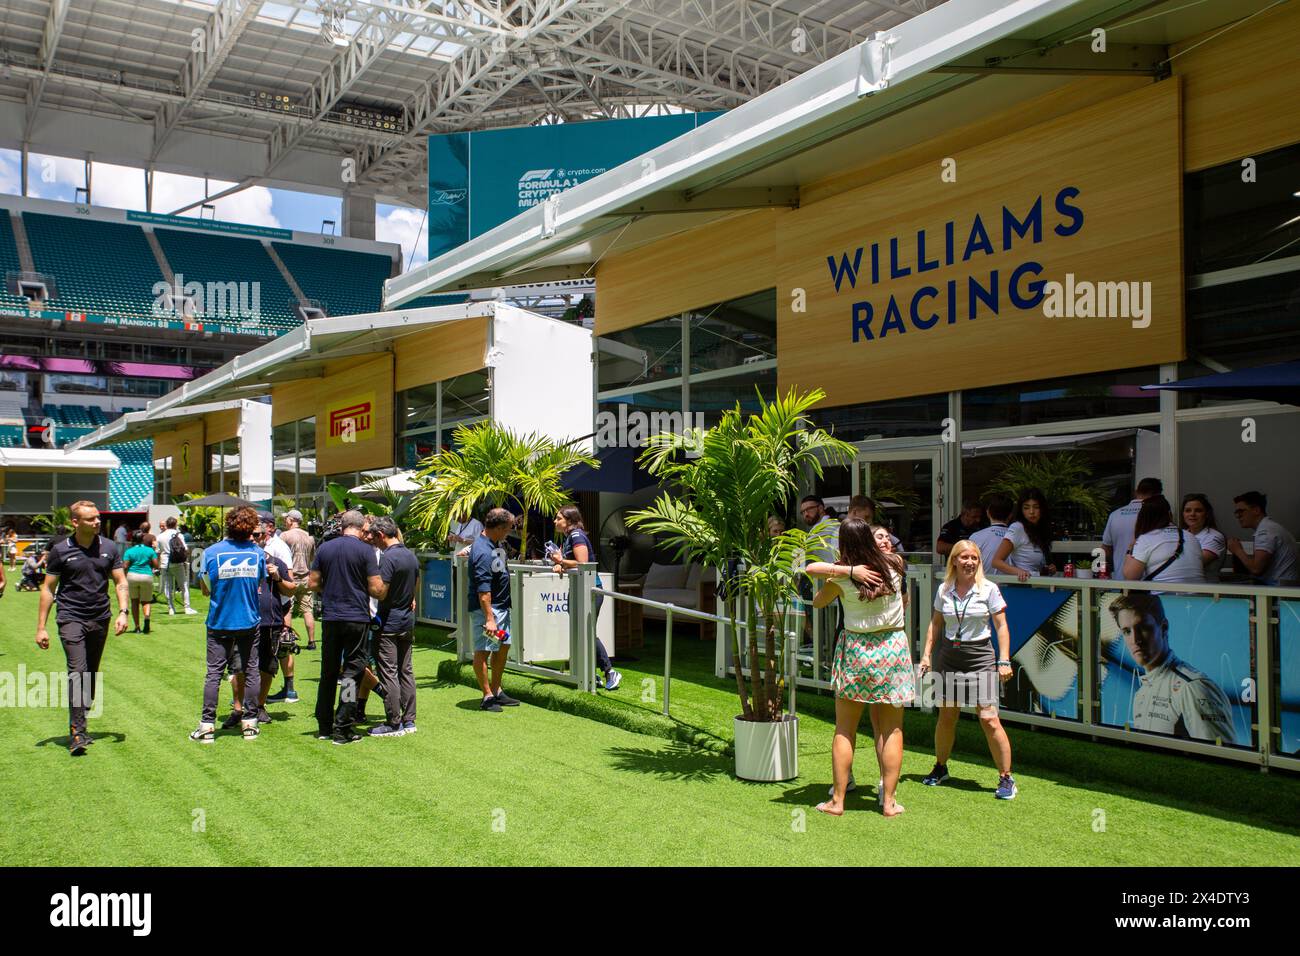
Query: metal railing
(1264, 680)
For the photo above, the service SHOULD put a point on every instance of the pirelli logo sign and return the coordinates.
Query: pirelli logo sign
(351, 420)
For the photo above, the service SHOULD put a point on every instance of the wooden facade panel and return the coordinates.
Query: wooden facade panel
(442, 352)
(184, 446)
(1107, 184)
(1241, 89)
(221, 426)
(714, 263)
(362, 396)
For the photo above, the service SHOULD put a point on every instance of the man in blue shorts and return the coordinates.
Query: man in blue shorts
(489, 608)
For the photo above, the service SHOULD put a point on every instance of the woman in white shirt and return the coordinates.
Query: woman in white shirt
(1027, 548)
(968, 609)
(1161, 550)
(1198, 518)
(873, 663)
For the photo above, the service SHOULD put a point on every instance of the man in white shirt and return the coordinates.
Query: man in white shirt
(175, 575)
(1117, 539)
(999, 508)
(462, 533)
(1274, 558)
(274, 546)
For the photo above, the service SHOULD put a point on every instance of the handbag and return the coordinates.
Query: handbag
(1151, 575)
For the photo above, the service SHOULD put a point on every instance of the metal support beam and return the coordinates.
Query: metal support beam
(758, 197)
(1078, 58)
(49, 43)
(208, 52)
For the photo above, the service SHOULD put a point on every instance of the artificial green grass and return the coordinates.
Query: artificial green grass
(527, 786)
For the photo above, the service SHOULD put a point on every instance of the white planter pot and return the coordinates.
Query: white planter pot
(767, 751)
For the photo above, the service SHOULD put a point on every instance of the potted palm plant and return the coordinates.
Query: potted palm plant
(722, 484)
(492, 463)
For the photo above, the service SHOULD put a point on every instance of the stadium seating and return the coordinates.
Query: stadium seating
(9, 262)
(200, 257)
(102, 267)
(11, 436)
(345, 282)
(131, 485)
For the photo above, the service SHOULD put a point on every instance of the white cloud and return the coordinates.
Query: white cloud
(11, 172)
(409, 228)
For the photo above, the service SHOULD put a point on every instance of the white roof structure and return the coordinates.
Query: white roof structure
(144, 423)
(58, 459)
(276, 93)
(941, 70)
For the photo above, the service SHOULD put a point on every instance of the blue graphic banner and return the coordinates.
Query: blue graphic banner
(481, 179)
(1177, 664)
(1044, 630)
(435, 590)
(1288, 613)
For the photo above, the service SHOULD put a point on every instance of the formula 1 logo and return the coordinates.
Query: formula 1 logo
(533, 174)
(231, 566)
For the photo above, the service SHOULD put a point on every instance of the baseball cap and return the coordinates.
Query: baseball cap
(295, 514)
(266, 517)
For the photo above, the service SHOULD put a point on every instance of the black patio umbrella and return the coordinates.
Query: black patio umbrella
(1268, 383)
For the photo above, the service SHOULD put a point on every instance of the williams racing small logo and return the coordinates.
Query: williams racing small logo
(447, 197)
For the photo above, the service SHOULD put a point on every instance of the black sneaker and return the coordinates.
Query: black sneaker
(324, 733)
(345, 738)
(936, 776)
(505, 700)
(262, 716)
(490, 703)
(77, 745)
(146, 625)
(311, 645)
(233, 720)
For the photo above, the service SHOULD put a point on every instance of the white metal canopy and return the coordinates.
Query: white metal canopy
(940, 70)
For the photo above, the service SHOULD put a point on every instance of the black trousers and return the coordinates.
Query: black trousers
(396, 676)
(236, 650)
(343, 660)
(83, 645)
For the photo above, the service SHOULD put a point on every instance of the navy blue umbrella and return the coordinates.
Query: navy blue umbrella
(1266, 383)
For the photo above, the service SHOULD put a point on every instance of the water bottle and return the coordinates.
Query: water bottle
(494, 638)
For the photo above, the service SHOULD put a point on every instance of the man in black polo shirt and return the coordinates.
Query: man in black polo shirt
(399, 570)
(346, 574)
(79, 566)
(961, 527)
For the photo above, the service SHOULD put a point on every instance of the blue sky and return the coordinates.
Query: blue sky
(122, 187)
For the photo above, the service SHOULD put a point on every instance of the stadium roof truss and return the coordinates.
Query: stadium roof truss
(366, 80)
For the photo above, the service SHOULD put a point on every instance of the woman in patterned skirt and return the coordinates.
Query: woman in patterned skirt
(873, 662)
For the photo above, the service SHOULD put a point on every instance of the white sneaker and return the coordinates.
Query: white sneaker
(206, 734)
(190, 610)
(171, 611)
(849, 789)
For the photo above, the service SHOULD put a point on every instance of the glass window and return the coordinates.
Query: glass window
(284, 450)
(1242, 324)
(416, 448)
(1230, 223)
(421, 406)
(1059, 400)
(898, 418)
(464, 399)
(733, 333)
(712, 398)
(647, 353)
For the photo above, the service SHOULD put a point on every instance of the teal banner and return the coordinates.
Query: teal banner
(481, 179)
(208, 225)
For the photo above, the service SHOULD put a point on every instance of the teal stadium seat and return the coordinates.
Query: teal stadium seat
(345, 282)
(9, 262)
(101, 267)
(130, 486)
(200, 257)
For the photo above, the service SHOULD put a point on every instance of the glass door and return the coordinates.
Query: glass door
(908, 488)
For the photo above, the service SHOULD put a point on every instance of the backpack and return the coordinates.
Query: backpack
(178, 552)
